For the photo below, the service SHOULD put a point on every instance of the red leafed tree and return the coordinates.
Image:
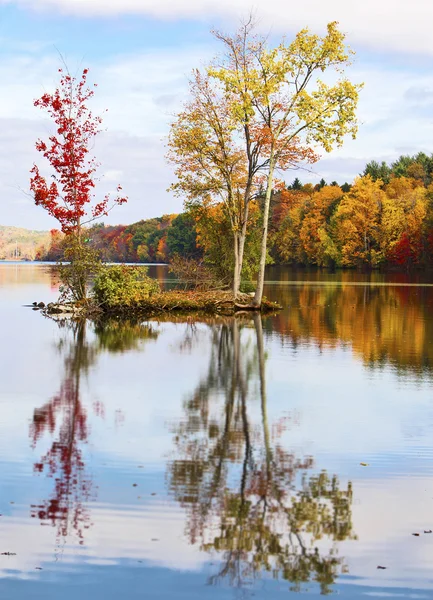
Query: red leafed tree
(406, 251)
(69, 197)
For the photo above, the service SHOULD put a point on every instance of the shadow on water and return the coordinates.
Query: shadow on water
(64, 419)
(247, 499)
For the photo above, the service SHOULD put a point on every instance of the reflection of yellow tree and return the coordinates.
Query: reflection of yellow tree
(383, 324)
(64, 418)
(247, 497)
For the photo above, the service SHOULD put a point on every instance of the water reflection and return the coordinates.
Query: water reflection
(18, 274)
(64, 419)
(247, 498)
(384, 325)
(238, 419)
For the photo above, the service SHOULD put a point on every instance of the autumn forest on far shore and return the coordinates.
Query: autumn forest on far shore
(383, 220)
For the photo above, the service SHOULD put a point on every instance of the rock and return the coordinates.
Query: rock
(41, 305)
(56, 309)
(34, 303)
(62, 309)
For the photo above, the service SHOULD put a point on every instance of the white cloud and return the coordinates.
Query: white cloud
(144, 90)
(135, 162)
(114, 175)
(399, 25)
(138, 91)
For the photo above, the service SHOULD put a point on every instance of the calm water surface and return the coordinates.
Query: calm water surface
(223, 458)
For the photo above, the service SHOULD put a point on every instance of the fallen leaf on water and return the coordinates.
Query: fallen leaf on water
(38, 568)
(428, 531)
(8, 554)
(415, 534)
(364, 464)
(380, 567)
(134, 485)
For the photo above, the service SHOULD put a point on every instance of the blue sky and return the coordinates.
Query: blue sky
(140, 52)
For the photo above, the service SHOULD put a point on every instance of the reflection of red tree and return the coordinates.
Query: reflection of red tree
(64, 461)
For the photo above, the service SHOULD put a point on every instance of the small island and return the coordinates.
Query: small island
(127, 291)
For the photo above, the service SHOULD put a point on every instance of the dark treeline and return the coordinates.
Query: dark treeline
(148, 241)
(385, 218)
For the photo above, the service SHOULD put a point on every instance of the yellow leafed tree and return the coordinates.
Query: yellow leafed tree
(283, 92)
(313, 232)
(404, 211)
(358, 223)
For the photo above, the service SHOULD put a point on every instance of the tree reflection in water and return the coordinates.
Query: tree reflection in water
(247, 498)
(384, 325)
(65, 419)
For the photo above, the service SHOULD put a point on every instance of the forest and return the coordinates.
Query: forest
(383, 220)
(17, 243)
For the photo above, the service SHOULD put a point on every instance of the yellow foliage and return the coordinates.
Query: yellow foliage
(358, 223)
(404, 210)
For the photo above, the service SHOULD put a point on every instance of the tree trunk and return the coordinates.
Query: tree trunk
(261, 276)
(242, 237)
(238, 265)
(243, 234)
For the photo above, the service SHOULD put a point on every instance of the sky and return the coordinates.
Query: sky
(141, 52)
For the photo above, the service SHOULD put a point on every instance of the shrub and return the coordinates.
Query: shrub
(194, 274)
(79, 266)
(123, 286)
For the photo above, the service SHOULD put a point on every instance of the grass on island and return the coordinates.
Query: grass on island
(210, 302)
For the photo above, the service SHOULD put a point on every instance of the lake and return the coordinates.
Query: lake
(220, 458)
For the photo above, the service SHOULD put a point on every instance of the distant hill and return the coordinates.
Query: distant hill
(17, 243)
